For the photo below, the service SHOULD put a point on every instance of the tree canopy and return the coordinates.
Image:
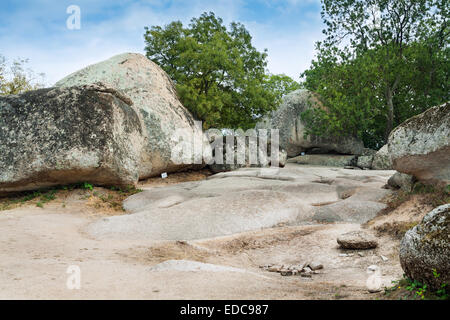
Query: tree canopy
(382, 61)
(15, 78)
(219, 75)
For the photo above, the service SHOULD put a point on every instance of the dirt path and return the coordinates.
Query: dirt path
(39, 244)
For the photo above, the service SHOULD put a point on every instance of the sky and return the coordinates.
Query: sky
(37, 30)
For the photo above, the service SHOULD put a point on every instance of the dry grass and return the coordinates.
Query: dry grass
(406, 209)
(109, 199)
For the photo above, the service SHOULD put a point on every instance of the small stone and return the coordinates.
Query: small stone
(357, 240)
(372, 268)
(384, 258)
(294, 272)
(305, 275)
(360, 254)
(306, 270)
(273, 269)
(286, 272)
(343, 255)
(374, 282)
(315, 266)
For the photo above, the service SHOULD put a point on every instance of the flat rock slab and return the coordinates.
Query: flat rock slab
(329, 160)
(357, 240)
(244, 200)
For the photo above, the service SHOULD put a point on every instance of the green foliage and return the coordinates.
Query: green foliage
(393, 64)
(407, 288)
(219, 76)
(281, 85)
(15, 78)
(87, 186)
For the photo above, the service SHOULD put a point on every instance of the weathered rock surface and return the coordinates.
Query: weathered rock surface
(328, 160)
(382, 159)
(247, 199)
(421, 146)
(67, 135)
(357, 240)
(402, 181)
(426, 247)
(292, 129)
(153, 94)
(261, 159)
(365, 162)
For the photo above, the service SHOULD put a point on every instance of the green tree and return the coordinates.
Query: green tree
(281, 85)
(382, 62)
(15, 78)
(220, 77)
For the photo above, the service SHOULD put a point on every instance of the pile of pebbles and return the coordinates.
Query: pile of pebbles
(304, 270)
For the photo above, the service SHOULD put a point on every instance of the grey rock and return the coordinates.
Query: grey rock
(287, 118)
(286, 272)
(315, 266)
(382, 159)
(273, 269)
(243, 200)
(357, 240)
(421, 146)
(372, 268)
(328, 160)
(307, 270)
(306, 275)
(365, 162)
(262, 158)
(426, 247)
(402, 181)
(67, 135)
(161, 114)
(368, 152)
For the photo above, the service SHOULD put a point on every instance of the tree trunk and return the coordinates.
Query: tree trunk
(390, 114)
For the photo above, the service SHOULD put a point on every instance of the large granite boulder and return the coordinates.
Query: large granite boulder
(287, 118)
(421, 146)
(161, 114)
(67, 135)
(382, 159)
(426, 248)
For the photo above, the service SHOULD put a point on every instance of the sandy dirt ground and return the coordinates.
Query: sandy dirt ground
(38, 245)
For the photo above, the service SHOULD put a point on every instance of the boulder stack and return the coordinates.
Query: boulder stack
(421, 146)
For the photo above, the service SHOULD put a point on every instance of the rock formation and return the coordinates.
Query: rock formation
(287, 118)
(163, 118)
(425, 249)
(421, 146)
(67, 135)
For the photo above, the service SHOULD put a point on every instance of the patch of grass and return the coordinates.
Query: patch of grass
(430, 196)
(18, 199)
(45, 196)
(87, 186)
(114, 197)
(396, 229)
(408, 289)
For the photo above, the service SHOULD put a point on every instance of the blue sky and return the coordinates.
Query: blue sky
(37, 30)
